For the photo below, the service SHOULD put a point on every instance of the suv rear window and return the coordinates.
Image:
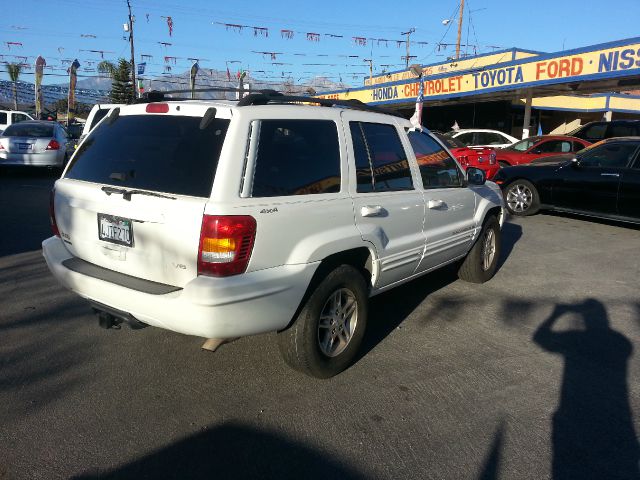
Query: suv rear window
(29, 130)
(161, 153)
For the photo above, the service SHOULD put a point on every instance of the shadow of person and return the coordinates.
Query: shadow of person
(593, 433)
(234, 451)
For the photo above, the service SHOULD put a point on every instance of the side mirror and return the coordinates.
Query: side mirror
(476, 176)
(575, 162)
(536, 151)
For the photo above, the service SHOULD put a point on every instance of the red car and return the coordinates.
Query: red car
(480, 157)
(527, 150)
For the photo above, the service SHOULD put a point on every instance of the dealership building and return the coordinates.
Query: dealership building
(515, 89)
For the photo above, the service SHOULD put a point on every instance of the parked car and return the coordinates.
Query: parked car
(97, 113)
(532, 148)
(596, 131)
(223, 219)
(602, 180)
(34, 143)
(480, 157)
(479, 137)
(9, 117)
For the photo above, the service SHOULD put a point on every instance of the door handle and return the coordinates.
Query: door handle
(435, 203)
(609, 174)
(372, 211)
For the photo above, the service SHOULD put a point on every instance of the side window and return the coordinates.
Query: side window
(577, 146)
(554, 146)
(595, 132)
(364, 172)
(3, 118)
(437, 168)
(297, 157)
(621, 130)
(380, 158)
(489, 138)
(18, 117)
(612, 155)
(466, 138)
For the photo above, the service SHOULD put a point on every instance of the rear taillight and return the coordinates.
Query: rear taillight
(1, 146)
(464, 160)
(226, 243)
(52, 213)
(157, 108)
(53, 145)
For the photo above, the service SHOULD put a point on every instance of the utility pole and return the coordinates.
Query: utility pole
(370, 60)
(459, 29)
(408, 34)
(133, 58)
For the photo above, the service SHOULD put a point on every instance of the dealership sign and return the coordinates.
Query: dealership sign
(611, 60)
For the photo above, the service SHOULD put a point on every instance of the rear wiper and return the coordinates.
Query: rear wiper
(126, 194)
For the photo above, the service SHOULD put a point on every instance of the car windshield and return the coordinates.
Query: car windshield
(450, 134)
(37, 130)
(171, 154)
(523, 145)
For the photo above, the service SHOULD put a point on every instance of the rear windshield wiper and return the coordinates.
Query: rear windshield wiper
(126, 194)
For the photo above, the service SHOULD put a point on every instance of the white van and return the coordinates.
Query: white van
(8, 117)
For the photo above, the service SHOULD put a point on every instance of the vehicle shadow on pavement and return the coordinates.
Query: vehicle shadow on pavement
(593, 434)
(511, 233)
(233, 451)
(388, 310)
(24, 209)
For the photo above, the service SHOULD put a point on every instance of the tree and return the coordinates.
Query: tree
(14, 70)
(122, 87)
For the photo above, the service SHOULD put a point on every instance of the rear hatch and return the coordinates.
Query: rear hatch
(133, 196)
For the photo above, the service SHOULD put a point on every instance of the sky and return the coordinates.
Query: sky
(348, 33)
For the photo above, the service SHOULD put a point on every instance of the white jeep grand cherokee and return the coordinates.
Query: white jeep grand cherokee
(224, 219)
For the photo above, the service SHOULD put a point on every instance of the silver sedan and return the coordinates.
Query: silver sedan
(34, 143)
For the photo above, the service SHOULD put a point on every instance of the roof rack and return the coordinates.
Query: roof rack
(271, 96)
(266, 96)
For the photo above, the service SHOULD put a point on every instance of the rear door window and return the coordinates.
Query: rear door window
(161, 153)
(610, 155)
(554, 146)
(297, 157)
(380, 158)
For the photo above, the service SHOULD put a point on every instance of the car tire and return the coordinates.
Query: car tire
(521, 198)
(503, 164)
(328, 330)
(481, 262)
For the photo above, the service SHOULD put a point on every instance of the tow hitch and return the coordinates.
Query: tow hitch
(111, 318)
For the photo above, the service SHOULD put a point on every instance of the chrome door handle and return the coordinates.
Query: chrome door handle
(372, 211)
(435, 203)
(609, 174)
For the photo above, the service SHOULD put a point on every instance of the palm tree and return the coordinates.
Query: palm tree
(14, 70)
(107, 67)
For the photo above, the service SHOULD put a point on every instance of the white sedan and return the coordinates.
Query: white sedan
(479, 137)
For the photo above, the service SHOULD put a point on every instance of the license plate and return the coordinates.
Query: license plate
(115, 230)
(24, 146)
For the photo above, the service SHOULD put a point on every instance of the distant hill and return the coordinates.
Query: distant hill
(96, 90)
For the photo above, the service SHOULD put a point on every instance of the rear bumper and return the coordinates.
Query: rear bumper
(247, 304)
(52, 158)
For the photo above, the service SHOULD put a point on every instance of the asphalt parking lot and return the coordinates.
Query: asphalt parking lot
(533, 375)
